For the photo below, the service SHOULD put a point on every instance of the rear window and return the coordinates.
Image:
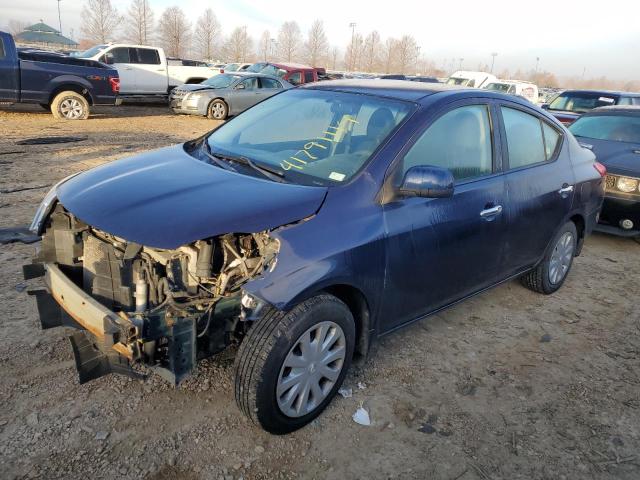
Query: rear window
(529, 139)
(581, 102)
(619, 128)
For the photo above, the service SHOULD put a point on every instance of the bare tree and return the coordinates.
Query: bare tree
(335, 51)
(388, 56)
(175, 32)
(17, 26)
(289, 41)
(317, 46)
(139, 22)
(353, 53)
(207, 34)
(100, 20)
(407, 51)
(264, 46)
(238, 47)
(370, 52)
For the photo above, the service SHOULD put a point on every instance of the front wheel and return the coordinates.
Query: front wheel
(218, 110)
(291, 364)
(70, 105)
(551, 273)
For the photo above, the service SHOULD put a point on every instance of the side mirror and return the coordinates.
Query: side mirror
(427, 181)
(240, 86)
(108, 58)
(544, 106)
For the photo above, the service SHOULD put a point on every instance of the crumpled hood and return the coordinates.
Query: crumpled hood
(196, 87)
(167, 198)
(619, 157)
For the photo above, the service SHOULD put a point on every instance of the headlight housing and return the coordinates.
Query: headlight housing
(46, 205)
(626, 184)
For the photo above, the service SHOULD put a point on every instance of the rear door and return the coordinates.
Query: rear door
(539, 180)
(120, 58)
(440, 250)
(9, 71)
(151, 75)
(268, 87)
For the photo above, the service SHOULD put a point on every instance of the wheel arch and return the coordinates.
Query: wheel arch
(71, 87)
(226, 102)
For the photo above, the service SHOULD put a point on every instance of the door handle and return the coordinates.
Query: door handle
(565, 189)
(491, 212)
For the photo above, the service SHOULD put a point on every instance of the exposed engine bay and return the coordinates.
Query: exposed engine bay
(163, 308)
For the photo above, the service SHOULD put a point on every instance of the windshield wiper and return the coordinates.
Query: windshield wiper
(215, 159)
(268, 172)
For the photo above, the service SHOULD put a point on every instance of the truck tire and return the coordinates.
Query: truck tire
(218, 110)
(552, 271)
(70, 105)
(291, 364)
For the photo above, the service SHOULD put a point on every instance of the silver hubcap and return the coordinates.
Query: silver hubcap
(218, 110)
(561, 258)
(311, 369)
(71, 108)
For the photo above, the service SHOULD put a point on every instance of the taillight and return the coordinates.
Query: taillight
(115, 84)
(602, 170)
(222, 70)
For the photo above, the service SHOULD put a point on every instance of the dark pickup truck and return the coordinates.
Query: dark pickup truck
(65, 85)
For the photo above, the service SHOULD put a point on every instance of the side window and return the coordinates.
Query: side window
(308, 77)
(524, 138)
(551, 140)
(148, 56)
(625, 101)
(118, 55)
(250, 83)
(295, 78)
(2, 54)
(460, 140)
(270, 83)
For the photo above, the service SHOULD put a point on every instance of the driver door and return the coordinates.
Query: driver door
(245, 94)
(440, 250)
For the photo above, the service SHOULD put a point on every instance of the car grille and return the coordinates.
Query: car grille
(178, 94)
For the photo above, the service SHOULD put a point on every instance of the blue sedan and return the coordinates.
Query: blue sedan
(307, 227)
(613, 133)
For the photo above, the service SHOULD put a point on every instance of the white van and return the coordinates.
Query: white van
(522, 88)
(471, 79)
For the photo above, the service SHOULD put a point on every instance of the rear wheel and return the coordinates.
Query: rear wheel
(551, 273)
(218, 110)
(70, 105)
(291, 364)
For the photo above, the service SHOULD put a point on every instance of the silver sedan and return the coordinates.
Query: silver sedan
(226, 94)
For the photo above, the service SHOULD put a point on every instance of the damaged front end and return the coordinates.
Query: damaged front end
(135, 304)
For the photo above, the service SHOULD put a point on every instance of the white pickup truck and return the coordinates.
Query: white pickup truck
(146, 70)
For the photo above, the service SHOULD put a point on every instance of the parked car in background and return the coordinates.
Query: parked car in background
(522, 88)
(613, 134)
(305, 228)
(146, 70)
(67, 86)
(418, 78)
(570, 104)
(471, 79)
(392, 76)
(234, 67)
(294, 73)
(226, 94)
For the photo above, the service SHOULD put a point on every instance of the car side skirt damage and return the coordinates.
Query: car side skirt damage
(136, 305)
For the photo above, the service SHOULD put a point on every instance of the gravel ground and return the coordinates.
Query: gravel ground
(507, 385)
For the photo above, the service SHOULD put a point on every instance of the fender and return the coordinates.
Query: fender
(60, 83)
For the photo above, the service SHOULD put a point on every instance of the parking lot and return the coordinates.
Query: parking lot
(508, 385)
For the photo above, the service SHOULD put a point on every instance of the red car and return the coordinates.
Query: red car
(294, 73)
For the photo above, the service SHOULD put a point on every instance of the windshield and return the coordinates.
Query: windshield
(501, 87)
(231, 67)
(457, 81)
(312, 137)
(581, 102)
(619, 128)
(221, 81)
(93, 51)
(256, 67)
(275, 71)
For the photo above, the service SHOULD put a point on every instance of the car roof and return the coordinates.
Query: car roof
(400, 89)
(633, 109)
(605, 92)
(243, 73)
(291, 65)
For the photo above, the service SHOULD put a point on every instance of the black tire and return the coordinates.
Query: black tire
(70, 105)
(262, 354)
(539, 279)
(218, 110)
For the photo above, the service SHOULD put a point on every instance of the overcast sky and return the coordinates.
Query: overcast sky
(601, 37)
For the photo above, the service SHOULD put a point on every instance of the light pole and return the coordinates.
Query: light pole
(461, 60)
(493, 60)
(352, 60)
(59, 18)
(537, 62)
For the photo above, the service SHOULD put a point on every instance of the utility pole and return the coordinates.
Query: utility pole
(537, 62)
(352, 60)
(144, 21)
(59, 18)
(461, 60)
(493, 60)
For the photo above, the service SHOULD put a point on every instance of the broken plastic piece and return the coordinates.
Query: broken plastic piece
(346, 392)
(361, 417)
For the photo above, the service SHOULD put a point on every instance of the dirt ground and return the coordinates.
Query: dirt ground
(507, 385)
